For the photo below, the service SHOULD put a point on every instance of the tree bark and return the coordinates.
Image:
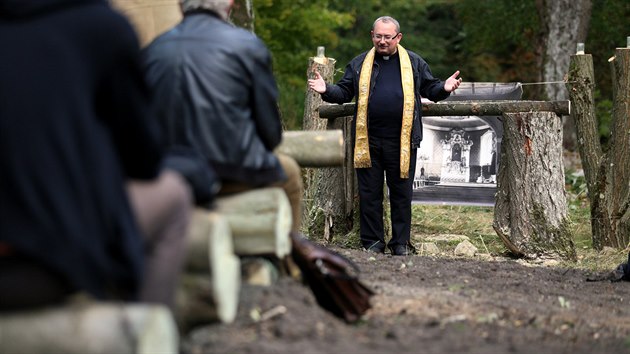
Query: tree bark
(531, 210)
(565, 23)
(619, 168)
(242, 14)
(90, 328)
(462, 108)
(607, 174)
(329, 190)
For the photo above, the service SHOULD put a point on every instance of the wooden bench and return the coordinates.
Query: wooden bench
(241, 227)
(86, 327)
(233, 242)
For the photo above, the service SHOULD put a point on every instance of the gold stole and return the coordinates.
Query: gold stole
(361, 143)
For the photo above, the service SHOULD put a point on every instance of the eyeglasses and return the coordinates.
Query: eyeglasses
(386, 38)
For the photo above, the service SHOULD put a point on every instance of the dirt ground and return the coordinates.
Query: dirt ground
(426, 304)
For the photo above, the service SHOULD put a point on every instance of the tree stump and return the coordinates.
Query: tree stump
(531, 209)
(607, 173)
(328, 191)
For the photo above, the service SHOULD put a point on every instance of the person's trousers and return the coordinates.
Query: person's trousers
(385, 158)
(292, 187)
(162, 210)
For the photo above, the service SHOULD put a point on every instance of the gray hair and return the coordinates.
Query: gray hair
(387, 19)
(221, 7)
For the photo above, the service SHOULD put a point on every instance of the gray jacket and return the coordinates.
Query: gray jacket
(214, 91)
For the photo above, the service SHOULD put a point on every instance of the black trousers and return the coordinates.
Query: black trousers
(385, 156)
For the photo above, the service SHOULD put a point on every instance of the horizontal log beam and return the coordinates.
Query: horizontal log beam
(260, 221)
(313, 148)
(462, 108)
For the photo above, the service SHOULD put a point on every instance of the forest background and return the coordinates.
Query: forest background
(487, 40)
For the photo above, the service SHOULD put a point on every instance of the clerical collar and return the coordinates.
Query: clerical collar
(388, 57)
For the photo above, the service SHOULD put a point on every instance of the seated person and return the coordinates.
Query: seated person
(215, 92)
(85, 204)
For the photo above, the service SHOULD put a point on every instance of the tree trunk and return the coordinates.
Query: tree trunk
(327, 190)
(565, 23)
(607, 175)
(531, 209)
(242, 14)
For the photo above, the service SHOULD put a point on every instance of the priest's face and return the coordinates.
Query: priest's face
(385, 38)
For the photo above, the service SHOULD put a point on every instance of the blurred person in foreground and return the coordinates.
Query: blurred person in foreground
(215, 92)
(388, 82)
(85, 205)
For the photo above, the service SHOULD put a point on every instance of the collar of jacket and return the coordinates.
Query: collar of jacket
(202, 11)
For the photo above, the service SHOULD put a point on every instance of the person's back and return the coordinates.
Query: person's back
(74, 126)
(215, 92)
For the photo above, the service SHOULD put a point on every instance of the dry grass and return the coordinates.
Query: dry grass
(476, 223)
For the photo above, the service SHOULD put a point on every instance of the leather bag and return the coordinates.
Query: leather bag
(333, 279)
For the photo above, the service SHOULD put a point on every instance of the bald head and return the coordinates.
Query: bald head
(387, 19)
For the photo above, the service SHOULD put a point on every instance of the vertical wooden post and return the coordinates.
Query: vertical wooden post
(607, 174)
(329, 191)
(242, 14)
(619, 166)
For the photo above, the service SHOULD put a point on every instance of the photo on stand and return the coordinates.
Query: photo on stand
(459, 157)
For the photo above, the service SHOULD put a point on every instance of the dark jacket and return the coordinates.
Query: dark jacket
(425, 85)
(73, 127)
(215, 92)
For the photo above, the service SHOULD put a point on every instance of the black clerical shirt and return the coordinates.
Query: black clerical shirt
(385, 105)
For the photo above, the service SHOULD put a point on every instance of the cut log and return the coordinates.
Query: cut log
(209, 241)
(462, 108)
(90, 328)
(210, 258)
(259, 271)
(322, 148)
(260, 221)
(199, 304)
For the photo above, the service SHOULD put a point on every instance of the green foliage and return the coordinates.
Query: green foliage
(490, 40)
(499, 40)
(293, 30)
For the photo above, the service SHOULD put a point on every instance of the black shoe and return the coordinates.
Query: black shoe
(401, 250)
(376, 247)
